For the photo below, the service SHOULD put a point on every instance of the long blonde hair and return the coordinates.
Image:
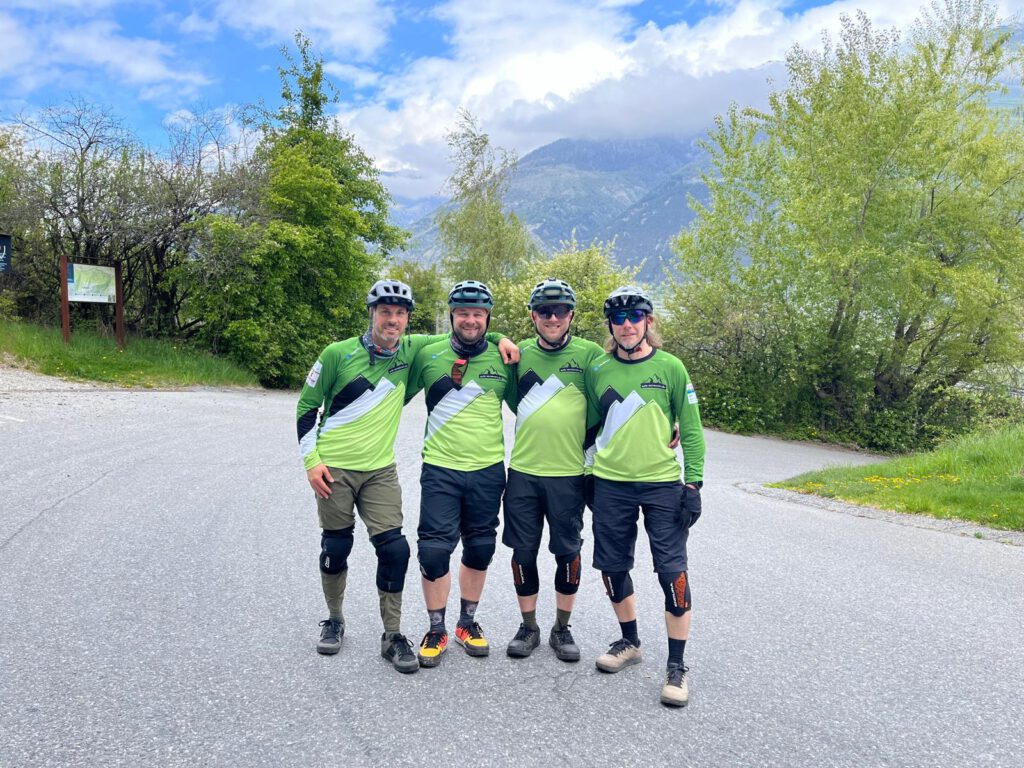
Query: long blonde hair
(653, 336)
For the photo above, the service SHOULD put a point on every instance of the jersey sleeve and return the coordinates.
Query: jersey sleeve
(418, 341)
(512, 388)
(311, 399)
(691, 432)
(593, 415)
(415, 383)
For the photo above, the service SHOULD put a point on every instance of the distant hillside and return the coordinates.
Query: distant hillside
(634, 190)
(644, 231)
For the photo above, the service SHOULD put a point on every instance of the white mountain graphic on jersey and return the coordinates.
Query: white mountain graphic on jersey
(451, 405)
(618, 415)
(362, 405)
(536, 397)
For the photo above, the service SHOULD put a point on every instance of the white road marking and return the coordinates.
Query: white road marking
(11, 418)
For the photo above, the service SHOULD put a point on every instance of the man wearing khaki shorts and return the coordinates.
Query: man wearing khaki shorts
(348, 453)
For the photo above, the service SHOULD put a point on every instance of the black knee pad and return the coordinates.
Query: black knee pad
(524, 572)
(617, 584)
(567, 573)
(676, 587)
(335, 546)
(434, 562)
(392, 559)
(478, 554)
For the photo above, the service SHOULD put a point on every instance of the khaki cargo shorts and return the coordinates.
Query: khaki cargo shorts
(376, 495)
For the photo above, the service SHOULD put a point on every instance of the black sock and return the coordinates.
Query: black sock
(530, 619)
(675, 651)
(437, 619)
(629, 632)
(468, 611)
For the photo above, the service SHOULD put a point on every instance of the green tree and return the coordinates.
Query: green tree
(480, 241)
(429, 293)
(859, 256)
(591, 271)
(279, 276)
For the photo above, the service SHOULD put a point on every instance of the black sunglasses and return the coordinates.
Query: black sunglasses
(553, 310)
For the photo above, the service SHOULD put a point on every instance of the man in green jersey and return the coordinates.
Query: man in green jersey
(639, 391)
(463, 475)
(349, 458)
(545, 476)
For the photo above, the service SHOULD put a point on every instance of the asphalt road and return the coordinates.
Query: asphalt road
(159, 601)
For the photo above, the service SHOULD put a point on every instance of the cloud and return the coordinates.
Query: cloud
(17, 48)
(197, 26)
(133, 60)
(352, 27)
(536, 70)
(358, 76)
(40, 52)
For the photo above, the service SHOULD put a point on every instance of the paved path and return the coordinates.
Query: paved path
(159, 600)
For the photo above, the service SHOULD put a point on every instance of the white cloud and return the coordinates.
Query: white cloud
(41, 52)
(17, 49)
(133, 60)
(358, 76)
(197, 26)
(535, 71)
(352, 27)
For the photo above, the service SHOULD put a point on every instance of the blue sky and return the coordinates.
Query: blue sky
(532, 71)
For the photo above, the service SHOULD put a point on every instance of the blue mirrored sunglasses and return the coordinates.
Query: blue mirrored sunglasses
(633, 315)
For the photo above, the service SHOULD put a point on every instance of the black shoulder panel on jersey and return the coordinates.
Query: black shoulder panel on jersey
(527, 382)
(349, 394)
(608, 399)
(438, 390)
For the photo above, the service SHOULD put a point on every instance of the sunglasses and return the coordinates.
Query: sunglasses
(458, 371)
(553, 310)
(633, 315)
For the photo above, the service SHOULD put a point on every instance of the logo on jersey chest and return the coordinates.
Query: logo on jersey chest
(571, 367)
(654, 382)
(397, 366)
(490, 373)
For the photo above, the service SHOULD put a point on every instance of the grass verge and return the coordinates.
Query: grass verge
(978, 477)
(90, 357)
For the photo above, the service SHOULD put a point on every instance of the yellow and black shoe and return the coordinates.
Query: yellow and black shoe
(471, 637)
(432, 648)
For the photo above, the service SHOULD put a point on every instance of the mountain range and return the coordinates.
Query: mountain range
(634, 192)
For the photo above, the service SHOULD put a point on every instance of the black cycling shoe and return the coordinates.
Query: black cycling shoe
(523, 643)
(562, 641)
(330, 636)
(398, 650)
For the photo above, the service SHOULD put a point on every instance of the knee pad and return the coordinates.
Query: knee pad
(617, 584)
(677, 592)
(524, 572)
(433, 562)
(567, 573)
(478, 554)
(335, 546)
(392, 559)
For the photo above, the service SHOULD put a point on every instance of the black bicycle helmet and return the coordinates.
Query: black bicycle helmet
(552, 291)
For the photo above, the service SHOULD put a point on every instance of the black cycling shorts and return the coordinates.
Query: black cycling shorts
(616, 509)
(456, 504)
(530, 499)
